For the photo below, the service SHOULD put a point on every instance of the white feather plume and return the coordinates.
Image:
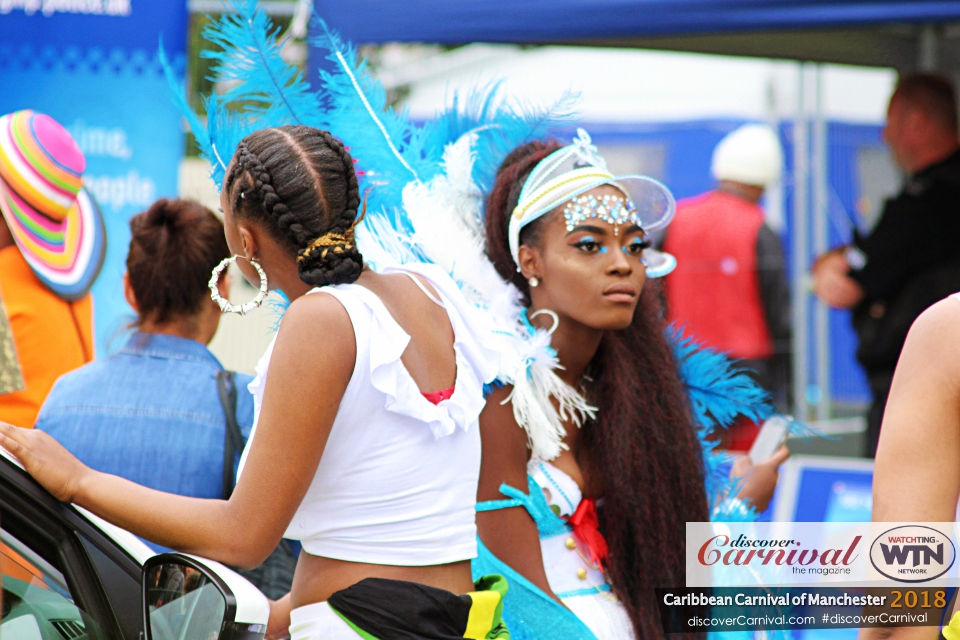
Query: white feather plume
(445, 215)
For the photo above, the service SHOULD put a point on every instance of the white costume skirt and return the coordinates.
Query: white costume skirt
(319, 622)
(603, 614)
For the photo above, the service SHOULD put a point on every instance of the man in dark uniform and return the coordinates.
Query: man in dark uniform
(911, 259)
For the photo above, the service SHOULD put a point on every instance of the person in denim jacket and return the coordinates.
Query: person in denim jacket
(151, 412)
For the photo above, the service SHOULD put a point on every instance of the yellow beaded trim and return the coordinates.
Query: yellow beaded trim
(521, 209)
(338, 241)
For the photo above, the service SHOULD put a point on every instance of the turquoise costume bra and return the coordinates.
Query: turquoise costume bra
(530, 613)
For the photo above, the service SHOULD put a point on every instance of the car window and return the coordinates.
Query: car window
(37, 601)
(122, 588)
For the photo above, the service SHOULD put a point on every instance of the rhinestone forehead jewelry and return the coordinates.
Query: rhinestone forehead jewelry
(614, 210)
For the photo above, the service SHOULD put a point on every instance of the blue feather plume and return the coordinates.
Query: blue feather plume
(719, 390)
(389, 149)
(719, 393)
(269, 92)
(502, 125)
(268, 87)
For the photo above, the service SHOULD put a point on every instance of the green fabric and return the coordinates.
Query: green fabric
(495, 582)
(360, 632)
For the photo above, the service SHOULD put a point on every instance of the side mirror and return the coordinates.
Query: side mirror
(186, 598)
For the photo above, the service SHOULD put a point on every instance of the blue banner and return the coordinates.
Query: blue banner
(92, 65)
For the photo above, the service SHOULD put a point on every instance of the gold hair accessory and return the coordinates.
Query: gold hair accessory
(337, 241)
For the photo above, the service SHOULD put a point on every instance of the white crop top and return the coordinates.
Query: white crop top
(397, 482)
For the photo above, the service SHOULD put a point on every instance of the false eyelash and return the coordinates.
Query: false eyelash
(646, 244)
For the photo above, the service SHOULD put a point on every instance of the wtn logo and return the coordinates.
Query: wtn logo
(897, 554)
(912, 553)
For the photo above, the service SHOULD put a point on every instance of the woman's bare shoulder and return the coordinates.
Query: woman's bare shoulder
(317, 326)
(934, 337)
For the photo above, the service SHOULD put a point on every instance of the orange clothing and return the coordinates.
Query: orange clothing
(51, 336)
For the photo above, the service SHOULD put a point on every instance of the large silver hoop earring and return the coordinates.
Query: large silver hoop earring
(553, 315)
(224, 304)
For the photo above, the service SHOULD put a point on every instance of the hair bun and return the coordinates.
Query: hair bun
(337, 263)
(164, 215)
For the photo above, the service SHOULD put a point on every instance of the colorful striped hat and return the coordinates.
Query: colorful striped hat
(54, 221)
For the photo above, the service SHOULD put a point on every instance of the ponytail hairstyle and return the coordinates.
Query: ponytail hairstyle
(174, 245)
(642, 449)
(299, 183)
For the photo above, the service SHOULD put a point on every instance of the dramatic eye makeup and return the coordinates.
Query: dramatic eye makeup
(590, 245)
(636, 246)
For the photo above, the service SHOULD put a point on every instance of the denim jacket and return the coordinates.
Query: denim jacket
(149, 413)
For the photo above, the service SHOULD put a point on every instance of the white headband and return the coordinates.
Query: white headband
(646, 202)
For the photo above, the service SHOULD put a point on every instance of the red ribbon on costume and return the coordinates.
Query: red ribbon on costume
(586, 526)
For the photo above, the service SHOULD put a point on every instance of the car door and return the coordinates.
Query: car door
(63, 579)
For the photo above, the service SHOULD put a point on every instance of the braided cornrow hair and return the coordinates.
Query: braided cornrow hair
(299, 182)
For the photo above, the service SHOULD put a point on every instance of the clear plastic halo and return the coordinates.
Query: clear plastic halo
(654, 202)
(658, 263)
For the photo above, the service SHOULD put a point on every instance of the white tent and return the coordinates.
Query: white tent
(635, 85)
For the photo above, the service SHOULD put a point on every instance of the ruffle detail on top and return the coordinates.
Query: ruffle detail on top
(255, 387)
(476, 364)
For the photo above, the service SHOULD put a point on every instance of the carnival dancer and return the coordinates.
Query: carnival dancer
(365, 444)
(572, 237)
(580, 269)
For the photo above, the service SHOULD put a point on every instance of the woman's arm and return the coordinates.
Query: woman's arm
(916, 477)
(510, 534)
(311, 366)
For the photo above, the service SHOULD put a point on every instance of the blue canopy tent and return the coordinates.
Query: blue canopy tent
(904, 34)
(552, 21)
(882, 32)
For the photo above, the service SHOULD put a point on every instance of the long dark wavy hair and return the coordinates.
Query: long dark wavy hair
(642, 450)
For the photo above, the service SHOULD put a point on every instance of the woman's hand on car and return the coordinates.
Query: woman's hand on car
(55, 468)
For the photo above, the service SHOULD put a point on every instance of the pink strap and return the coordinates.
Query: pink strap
(436, 397)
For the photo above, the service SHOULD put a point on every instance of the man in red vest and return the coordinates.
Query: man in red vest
(730, 289)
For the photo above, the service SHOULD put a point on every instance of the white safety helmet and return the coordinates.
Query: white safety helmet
(750, 155)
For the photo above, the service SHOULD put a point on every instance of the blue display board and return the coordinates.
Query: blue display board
(92, 65)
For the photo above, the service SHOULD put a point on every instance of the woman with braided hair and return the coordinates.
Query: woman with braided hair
(365, 444)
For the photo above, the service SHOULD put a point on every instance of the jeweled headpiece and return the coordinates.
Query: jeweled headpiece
(569, 172)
